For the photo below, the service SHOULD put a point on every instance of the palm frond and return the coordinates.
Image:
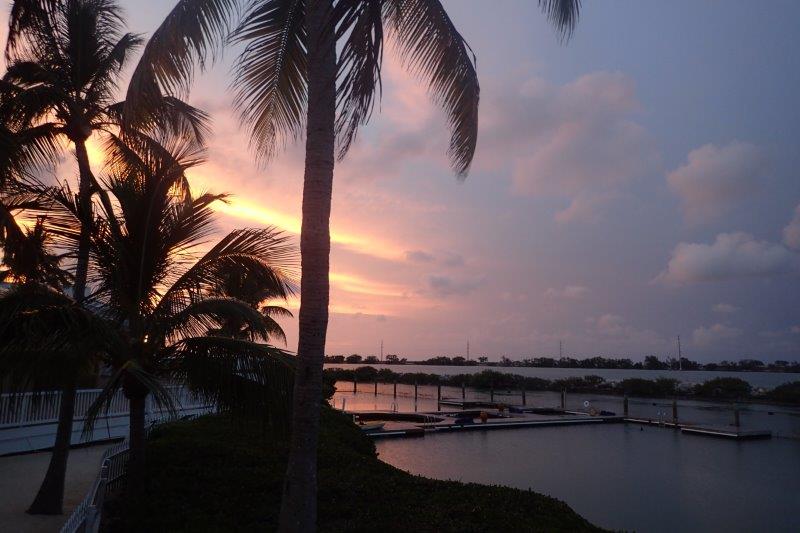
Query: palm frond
(360, 23)
(432, 48)
(563, 14)
(237, 375)
(127, 374)
(186, 36)
(257, 252)
(209, 314)
(271, 78)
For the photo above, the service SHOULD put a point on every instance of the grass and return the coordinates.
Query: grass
(216, 474)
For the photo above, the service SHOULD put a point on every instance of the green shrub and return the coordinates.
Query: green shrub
(786, 393)
(216, 474)
(725, 388)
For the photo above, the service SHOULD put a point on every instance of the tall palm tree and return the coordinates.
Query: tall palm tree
(164, 297)
(289, 81)
(64, 58)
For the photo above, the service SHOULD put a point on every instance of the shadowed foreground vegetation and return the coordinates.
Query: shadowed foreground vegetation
(723, 388)
(217, 474)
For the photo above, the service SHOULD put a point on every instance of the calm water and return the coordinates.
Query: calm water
(756, 379)
(617, 476)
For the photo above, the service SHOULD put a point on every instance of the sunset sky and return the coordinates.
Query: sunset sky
(637, 183)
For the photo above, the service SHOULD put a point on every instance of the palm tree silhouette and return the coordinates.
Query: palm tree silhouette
(164, 296)
(64, 58)
(289, 81)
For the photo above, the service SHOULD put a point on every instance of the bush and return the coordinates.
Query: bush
(725, 388)
(658, 388)
(199, 478)
(786, 393)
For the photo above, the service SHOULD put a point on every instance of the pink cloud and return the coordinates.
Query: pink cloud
(717, 178)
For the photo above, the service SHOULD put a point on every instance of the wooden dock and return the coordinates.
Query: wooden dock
(495, 424)
(720, 433)
(421, 424)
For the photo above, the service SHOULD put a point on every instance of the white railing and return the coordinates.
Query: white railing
(42, 408)
(86, 516)
(29, 423)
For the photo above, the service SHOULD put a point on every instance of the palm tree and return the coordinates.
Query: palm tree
(288, 80)
(64, 58)
(164, 297)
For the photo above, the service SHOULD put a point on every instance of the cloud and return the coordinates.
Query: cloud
(791, 233)
(586, 207)
(448, 259)
(418, 256)
(615, 329)
(725, 308)
(570, 292)
(445, 286)
(575, 140)
(730, 256)
(708, 336)
(717, 178)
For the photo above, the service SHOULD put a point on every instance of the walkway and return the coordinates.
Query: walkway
(20, 476)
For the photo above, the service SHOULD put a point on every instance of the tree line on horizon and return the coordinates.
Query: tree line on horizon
(716, 388)
(651, 362)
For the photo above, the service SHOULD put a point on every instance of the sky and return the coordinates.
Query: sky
(637, 183)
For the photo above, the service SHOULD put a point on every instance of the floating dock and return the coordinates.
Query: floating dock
(409, 425)
(720, 433)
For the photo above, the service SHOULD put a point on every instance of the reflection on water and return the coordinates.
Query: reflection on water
(618, 476)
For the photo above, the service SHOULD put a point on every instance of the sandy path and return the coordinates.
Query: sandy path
(20, 476)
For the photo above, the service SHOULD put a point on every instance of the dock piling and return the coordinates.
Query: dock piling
(355, 384)
(376, 386)
(491, 392)
(625, 405)
(463, 391)
(395, 388)
(524, 402)
(736, 420)
(439, 392)
(563, 398)
(415, 392)
(675, 411)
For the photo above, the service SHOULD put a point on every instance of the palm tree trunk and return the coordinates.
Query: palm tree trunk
(136, 458)
(85, 202)
(50, 498)
(299, 502)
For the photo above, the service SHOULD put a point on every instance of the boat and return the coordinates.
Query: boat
(372, 426)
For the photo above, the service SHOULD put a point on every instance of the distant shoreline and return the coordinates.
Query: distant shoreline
(795, 369)
(719, 388)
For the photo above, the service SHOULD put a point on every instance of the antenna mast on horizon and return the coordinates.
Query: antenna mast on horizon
(680, 357)
(467, 350)
(560, 349)
(381, 350)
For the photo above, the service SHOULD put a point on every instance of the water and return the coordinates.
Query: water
(756, 379)
(617, 476)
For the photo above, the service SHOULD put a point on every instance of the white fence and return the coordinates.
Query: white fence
(85, 517)
(29, 422)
